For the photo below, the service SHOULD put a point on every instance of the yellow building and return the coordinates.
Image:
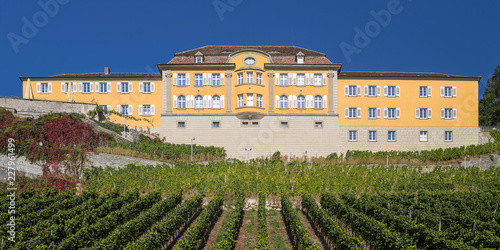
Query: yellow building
(268, 98)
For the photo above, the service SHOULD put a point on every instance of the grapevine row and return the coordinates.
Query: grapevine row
(162, 232)
(195, 233)
(262, 241)
(231, 228)
(328, 226)
(292, 221)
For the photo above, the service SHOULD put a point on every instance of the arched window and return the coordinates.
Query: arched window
(216, 102)
(318, 102)
(198, 102)
(301, 101)
(182, 102)
(284, 102)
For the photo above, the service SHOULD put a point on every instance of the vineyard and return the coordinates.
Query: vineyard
(296, 205)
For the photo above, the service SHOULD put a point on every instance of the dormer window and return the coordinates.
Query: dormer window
(199, 57)
(300, 57)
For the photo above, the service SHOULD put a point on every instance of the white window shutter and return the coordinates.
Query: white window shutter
(454, 113)
(130, 85)
(210, 83)
(358, 90)
(378, 90)
(346, 90)
(98, 87)
(311, 78)
(277, 100)
(442, 91)
(108, 107)
(429, 113)
(417, 113)
(429, 91)
(324, 102)
(442, 113)
(152, 109)
(222, 101)
(205, 101)
(209, 101)
(204, 79)
(140, 109)
(307, 79)
(80, 87)
(188, 80)
(397, 113)
(38, 87)
(358, 111)
(385, 113)
(276, 79)
(130, 110)
(311, 99)
(174, 102)
(290, 101)
(119, 108)
(294, 101)
(222, 78)
(397, 90)
(63, 87)
(74, 87)
(188, 101)
(49, 87)
(118, 87)
(385, 90)
(152, 87)
(141, 87)
(289, 79)
(346, 113)
(294, 81)
(175, 79)
(324, 79)
(108, 85)
(378, 113)
(454, 91)
(366, 90)
(91, 87)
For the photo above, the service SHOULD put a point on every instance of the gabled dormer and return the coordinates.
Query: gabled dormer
(198, 57)
(300, 57)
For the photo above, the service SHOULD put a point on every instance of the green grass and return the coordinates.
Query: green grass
(276, 238)
(249, 228)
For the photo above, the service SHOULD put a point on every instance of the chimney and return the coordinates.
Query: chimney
(106, 70)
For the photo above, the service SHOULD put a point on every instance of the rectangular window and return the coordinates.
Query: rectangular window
(391, 136)
(124, 87)
(244, 123)
(259, 78)
(423, 135)
(448, 91)
(448, 113)
(284, 124)
(318, 124)
(86, 87)
(391, 113)
(372, 90)
(146, 110)
(372, 135)
(283, 79)
(448, 136)
(372, 113)
(317, 79)
(215, 124)
(353, 113)
(352, 90)
(259, 101)
(181, 124)
(215, 79)
(423, 91)
(423, 113)
(181, 80)
(103, 87)
(240, 78)
(353, 135)
(301, 79)
(239, 104)
(249, 77)
(125, 109)
(249, 100)
(199, 59)
(283, 102)
(301, 102)
(146, 87)
(255, 124)
(198, 79)
(391, 91)
(104, 108)
(45, 88)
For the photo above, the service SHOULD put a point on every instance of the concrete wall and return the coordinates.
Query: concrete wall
(36, 108)
(264, 139)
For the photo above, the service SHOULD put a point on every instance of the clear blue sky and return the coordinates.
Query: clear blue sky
(76, 36)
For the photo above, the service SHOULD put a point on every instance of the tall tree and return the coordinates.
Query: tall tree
(489, 106)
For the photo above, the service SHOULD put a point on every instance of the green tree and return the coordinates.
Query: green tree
(489, 106)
